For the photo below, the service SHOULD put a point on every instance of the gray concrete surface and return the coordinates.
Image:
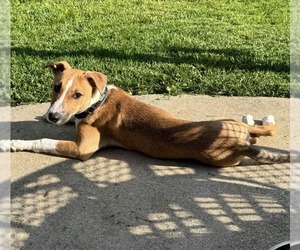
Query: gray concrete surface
(125, 200)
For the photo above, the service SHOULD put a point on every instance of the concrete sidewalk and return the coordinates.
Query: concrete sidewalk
(125, 200)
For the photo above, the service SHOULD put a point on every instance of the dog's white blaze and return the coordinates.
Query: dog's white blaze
(57, 105)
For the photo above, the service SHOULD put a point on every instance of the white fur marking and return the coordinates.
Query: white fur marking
(112, 87)
(268, 119)
(39, 146)
(57, 105)
(248, 119)
(96, 96)
(4, 145)
(110, 143)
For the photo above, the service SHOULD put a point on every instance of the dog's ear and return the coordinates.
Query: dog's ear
(96, 79)
(58, 67)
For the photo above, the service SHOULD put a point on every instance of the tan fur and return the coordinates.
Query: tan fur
(122, 120)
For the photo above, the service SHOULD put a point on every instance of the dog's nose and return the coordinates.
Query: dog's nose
(54, 117)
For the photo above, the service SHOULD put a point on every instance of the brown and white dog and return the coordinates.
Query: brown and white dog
(107, 115)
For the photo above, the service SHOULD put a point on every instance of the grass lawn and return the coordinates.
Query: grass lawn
(214, 47)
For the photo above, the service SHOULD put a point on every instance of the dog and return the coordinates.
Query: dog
(108, 116)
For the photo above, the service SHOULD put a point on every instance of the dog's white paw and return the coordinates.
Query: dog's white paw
(248, 119)
(4, 145)
(12, 145)
(19, 145)
(268, 119)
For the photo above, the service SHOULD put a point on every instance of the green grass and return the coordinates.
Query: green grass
(214, 47)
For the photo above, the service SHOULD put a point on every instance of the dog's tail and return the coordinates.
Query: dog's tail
(266, 156)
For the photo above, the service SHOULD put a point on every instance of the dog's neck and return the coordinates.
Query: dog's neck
(96, 100)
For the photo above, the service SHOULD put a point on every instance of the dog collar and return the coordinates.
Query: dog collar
(93, 107)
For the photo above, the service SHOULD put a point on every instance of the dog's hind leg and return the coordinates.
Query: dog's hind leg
(266, 129)
(248, 119)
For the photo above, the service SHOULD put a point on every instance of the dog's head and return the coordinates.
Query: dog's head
(73, 91)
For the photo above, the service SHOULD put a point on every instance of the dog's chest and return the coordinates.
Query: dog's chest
(109, 142)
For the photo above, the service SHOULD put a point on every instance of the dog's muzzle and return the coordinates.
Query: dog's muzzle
(54, 117)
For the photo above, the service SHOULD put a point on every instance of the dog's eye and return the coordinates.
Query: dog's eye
(57, 88)
(77, 95)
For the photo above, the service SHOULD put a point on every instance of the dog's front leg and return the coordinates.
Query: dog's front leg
(39, 146)
(87, 142)
(42, 145)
